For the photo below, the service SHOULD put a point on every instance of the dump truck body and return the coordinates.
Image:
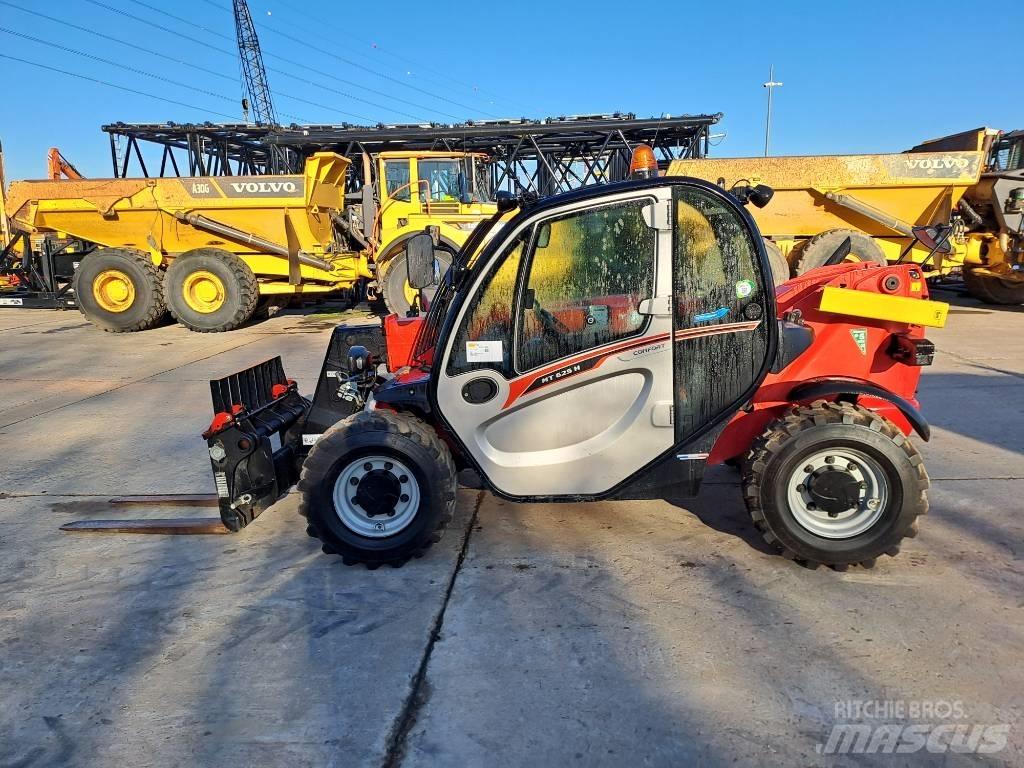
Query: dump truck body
(292, 213)
(882, 196)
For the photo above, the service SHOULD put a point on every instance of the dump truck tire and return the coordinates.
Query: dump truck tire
(816, 251)
(993, 289)
(393, 283)
(778, 263)
(209, 290)
(120, 290)
(373, 470)
(870, 457)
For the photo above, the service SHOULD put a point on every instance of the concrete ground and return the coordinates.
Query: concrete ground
(629, 633)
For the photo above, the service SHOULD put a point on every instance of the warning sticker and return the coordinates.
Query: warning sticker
(860, 338)
(484, 352)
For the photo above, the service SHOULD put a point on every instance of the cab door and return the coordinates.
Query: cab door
(561, 377)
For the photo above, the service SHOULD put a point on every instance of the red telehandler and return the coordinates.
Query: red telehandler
(605, 343)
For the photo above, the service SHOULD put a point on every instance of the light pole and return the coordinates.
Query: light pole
(770, 85)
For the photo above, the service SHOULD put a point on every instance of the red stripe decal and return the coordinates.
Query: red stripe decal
(590, 360)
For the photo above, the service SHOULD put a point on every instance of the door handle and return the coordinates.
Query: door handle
(659, 306)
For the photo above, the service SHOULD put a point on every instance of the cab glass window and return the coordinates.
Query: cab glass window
(485, 338)
(439, 180)
(397, 179)
(588, 273)
(721, 308)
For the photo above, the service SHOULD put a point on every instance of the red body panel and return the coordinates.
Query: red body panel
(835, 352)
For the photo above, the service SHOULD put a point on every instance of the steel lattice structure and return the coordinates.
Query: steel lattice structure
(542, 156)
(254, 74)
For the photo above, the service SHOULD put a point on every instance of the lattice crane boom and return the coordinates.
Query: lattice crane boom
(254, 74)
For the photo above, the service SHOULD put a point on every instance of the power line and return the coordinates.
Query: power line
(143, 49)
(373, 71)
(289, 37)
(117, 64)
(277, 71)
(475, 89)
(114, 85)
(120, 65)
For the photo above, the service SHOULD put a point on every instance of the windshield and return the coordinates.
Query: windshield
(450, 179)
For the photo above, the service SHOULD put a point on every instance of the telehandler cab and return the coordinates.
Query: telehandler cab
(604, 343)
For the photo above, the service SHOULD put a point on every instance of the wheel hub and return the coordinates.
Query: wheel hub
(113, 290)
(203, 291)
(833, 490)
(837, 493)
(376, 496)
(378, 493)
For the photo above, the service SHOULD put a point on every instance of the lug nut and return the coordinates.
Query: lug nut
(801, 488)
(354, 481)
(808, 469)
(812, 506)
(388, 465)
(403, 479)
(852, 467)
(830, 459)
(404, 497)
(367, 466)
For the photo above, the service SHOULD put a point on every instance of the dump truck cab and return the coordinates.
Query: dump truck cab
(606, 343)
(448, 190)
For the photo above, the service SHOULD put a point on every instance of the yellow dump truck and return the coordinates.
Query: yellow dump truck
(210, 249)
(878, 201)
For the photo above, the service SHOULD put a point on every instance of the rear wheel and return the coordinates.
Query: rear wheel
(119, 290)
(778, 263)
(816, 251)
(378, 488)
(209, 290)
(394, 285)
(993, 289)
(835, 484)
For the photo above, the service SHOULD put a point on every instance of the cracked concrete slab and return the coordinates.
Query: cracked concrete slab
(649, 633)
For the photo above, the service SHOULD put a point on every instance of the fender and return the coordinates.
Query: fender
(825, 388)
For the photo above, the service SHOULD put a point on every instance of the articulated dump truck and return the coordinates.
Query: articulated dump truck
(213, 250)
(953, 203)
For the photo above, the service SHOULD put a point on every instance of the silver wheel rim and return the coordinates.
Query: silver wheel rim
(359, 520)
(874, 494)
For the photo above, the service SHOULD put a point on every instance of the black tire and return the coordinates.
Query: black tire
(392, 278)
(405, 438)
(241, 290)
(993, 289)
(776, 458)
(147, 307)
(778, 263)
(816, 251)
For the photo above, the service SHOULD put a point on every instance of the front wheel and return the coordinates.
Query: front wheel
(835, 484)
(378, 488)
(119, 290)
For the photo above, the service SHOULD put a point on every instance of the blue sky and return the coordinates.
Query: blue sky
(858, 76)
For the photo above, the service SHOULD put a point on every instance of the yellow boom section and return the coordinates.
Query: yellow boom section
(879, 306)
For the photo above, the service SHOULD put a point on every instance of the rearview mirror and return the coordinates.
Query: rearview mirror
(420, 261)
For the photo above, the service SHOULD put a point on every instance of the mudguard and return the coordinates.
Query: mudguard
(823, 389)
